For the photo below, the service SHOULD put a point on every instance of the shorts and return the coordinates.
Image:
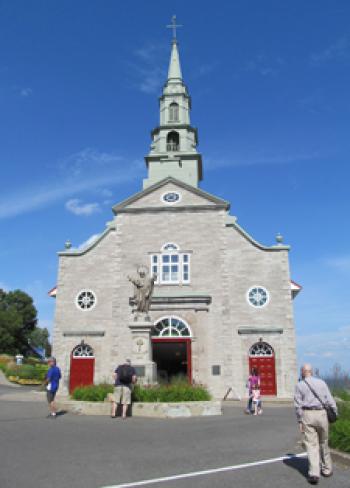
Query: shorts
(50, 396)
(122, 394)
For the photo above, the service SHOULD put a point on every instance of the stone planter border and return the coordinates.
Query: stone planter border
(150, 410)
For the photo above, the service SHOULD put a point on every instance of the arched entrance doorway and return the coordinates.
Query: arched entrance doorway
(82, 365)
(171, 349)
(262, 357)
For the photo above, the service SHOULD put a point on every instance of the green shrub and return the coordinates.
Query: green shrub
(92, 393)
(5, 359)
(339, 435)
(3, 367)
(344, 410)
(178, 392)
(339, 432)
(341, 393)
(27, 371)
(32, 360)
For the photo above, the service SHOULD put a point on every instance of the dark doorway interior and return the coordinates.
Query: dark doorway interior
(171, 359)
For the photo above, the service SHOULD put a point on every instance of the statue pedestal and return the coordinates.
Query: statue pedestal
(141, 357)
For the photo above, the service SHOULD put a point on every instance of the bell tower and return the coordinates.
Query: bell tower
(173, 149)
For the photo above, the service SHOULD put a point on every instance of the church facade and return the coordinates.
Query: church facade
(222, 302)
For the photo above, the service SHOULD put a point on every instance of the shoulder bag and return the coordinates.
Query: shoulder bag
(331, 413)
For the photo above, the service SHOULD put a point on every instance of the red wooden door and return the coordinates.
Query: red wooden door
(267, 371)
(81, 372)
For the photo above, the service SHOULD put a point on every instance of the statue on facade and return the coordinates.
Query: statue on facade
(143, 291)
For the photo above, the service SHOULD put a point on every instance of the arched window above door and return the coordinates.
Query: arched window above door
(261, 349)
(83, 351)
(171, 327)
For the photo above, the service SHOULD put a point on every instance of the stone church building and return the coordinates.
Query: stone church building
(222, 301)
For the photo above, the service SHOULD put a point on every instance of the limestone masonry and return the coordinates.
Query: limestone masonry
(222, 302)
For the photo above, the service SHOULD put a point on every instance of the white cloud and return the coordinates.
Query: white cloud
(83, 171)
(149, 68)
(334, 344)
(263, 65)
(76, 207)
(339, 50)
(4, 286)
(25, 92)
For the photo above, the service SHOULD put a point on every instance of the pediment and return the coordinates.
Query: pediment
(152, 198)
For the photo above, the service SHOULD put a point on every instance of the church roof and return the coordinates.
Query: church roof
(218, 202)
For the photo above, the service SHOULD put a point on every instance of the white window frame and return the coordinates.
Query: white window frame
(174, 112)
(171, 203)
(157, 265)
(171, 318)
(267, 296)
(85, 290)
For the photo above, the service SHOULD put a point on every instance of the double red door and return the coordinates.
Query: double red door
(267, 372)
(81, 372)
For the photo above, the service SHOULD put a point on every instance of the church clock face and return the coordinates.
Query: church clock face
(171, 197)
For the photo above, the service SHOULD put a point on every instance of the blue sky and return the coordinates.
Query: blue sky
(79, 87)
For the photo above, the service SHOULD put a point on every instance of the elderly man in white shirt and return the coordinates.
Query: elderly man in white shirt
(313, 422)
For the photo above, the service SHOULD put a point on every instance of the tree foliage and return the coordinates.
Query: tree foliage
(39, 337)
(18, 319)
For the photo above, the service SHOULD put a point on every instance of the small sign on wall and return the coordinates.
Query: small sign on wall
(140, 371)
(216, 370)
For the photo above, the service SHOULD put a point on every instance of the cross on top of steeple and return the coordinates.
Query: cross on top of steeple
(173, 26)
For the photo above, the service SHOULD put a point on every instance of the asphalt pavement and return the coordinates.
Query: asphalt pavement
(94, 452)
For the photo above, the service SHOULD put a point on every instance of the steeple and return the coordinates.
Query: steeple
(174, 142)
(174, 72)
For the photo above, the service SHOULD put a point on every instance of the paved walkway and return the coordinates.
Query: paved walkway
(5, 382)
(95, 452)
(18, 393)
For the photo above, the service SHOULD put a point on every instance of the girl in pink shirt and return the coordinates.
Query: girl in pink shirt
(256, 400)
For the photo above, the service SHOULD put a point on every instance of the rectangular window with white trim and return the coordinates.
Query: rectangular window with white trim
(171, 268)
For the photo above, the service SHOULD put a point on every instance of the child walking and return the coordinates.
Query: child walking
(256, 400)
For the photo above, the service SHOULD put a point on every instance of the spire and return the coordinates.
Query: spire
(174, 142)
(174, 72)
(174, 65)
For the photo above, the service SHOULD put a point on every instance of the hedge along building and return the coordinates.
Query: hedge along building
(222, 302)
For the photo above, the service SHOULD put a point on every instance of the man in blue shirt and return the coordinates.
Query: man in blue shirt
(52, 381)
(124, 378)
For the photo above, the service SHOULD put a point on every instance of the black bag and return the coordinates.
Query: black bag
(332, 415)
(125, 374)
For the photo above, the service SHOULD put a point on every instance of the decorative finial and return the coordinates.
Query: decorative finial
(279, 238)
(68, 244)
(173, 26)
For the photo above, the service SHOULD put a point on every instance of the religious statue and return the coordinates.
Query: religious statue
(143, 291)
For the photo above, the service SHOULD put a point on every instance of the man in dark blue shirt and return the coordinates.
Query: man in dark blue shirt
(124, 378)
(52, 381)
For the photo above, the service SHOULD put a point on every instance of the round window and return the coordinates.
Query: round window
(258, 296)
(171, 197)
(85, 300)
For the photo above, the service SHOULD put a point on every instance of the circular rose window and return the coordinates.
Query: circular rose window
(171, 197)
(258, 296)
(85, 300)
